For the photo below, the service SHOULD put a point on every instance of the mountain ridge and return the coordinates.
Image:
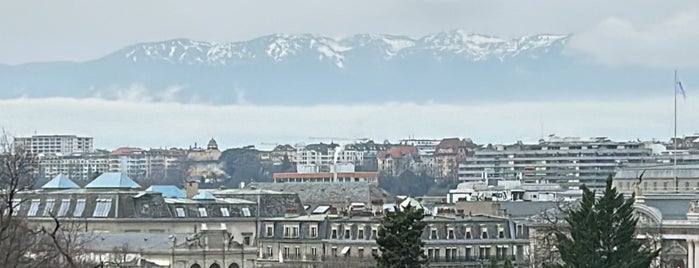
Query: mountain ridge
(309, 69)
(278, 47)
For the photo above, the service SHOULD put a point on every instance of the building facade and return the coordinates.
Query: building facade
(569, 162)
(55, 144)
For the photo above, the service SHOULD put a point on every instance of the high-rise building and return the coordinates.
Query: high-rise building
(55, 144)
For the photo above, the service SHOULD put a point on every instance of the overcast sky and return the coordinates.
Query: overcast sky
(645, 32)
(651, 33)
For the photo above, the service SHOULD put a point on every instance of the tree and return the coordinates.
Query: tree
(399, 239)
(23, 245)
(602, 233)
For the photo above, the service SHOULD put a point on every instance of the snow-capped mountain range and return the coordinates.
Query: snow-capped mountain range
(280, 47)
(308, 69)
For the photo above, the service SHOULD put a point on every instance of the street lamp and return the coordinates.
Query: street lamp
(174, 242)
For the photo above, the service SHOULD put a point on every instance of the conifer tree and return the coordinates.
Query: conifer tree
(399, 239)
(602, 233)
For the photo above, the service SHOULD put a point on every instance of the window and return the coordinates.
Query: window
(203, 213)
(374, 233)
(449, 253)
(297, 251)
(102, 208)
(79, 208)
(360, 233)
(295, 231)
(270, 252)
(287, 231)
(501, 232)
(374, 251)
(63, 210)
(17, 206)
(33, 207)
(484, 233)
(333, 251)
(247, 241)
(314, 252)
(286, 252)
(225, 212)
(48, 208)
(180, 212)
(520, 229)
(347, 233)
(467, 253)
(334, 234)
(450, 234)
(360, 252)
(436, 254)
(664, 185)
(246, 212)
(270, 230)
(468, 233)
(433, 234)
(314, 231)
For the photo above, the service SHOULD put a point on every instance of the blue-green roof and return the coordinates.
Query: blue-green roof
(113, 180)
(168, 191)
(60, 182)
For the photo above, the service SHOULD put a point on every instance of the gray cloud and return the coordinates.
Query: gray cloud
(135, 123)
(40, 30)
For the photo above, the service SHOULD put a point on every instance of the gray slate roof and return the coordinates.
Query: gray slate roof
(331, 193)
(60, 182)
(113, 180)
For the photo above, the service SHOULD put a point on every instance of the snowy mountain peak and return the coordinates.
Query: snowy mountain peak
(282, 47)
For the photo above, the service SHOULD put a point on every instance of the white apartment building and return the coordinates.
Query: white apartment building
(138, 163)
(323, 155)
(569, 162)
(75, 166)
(55, 144)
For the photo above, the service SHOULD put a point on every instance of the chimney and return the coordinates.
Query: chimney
(191, 188)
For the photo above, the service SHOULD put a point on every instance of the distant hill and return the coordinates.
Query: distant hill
(454, 66)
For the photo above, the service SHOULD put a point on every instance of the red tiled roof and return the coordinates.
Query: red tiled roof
(397, 152)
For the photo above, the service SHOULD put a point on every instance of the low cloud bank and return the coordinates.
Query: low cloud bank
(165, 124)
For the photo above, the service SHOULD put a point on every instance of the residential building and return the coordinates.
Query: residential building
(569, 162)
(448, 155)
(55, 144)
(450, 238)
(141, 164)
(397, 159)
(77, 166)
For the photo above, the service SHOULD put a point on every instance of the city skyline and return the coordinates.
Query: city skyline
(180, 125)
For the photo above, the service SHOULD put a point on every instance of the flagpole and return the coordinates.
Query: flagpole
(674, 166)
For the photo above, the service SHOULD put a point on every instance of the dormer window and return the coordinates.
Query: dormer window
(484, 232)
(270, 230)
(501, 232)
(180, 212)
(433, 234)
(468, 233)
(450, 233)
(48, 208)
(225, 212)
(203, 213)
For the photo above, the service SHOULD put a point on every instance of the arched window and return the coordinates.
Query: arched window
(233, 265)
(195, 266)
(215, 265)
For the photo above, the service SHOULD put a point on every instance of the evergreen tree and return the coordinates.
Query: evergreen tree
(602, 233)
(399, 239)
(508, 264)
